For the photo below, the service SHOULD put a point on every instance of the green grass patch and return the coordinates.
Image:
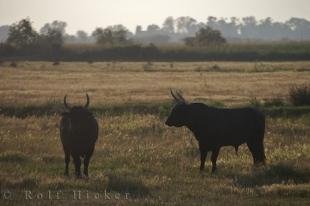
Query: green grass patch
(13, 156)
(162, 109)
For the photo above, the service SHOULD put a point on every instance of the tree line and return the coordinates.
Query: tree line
(200, 42)
(51, 36)
(175, 30)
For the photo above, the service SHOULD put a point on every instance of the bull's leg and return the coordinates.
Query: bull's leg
(77, 164)
(215, 153)
(253, 151)
(261, 158)
(203, 154)
(67, 161)
(86, 160)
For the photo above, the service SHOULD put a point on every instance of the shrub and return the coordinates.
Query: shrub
(255, 103)
(13, 64)
(56, 63)
(205, 37)
(274, 102)
(300, 95)
(147, 66)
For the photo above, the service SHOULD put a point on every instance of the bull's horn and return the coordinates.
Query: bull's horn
(180, 97)
(87, 101)
(65, 102)
(177, 97)
(173, 95)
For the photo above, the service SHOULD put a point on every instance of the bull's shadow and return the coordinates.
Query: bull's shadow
(273, 174)
(133, 186)
(260, 175)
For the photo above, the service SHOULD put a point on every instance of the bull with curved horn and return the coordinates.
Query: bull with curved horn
(78, 134)
(217, 127)
(68, 107)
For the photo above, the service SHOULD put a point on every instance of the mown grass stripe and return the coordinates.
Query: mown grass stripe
(159, 108)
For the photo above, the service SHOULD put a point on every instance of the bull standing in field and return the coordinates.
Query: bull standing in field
(216, 127)
(78, 133)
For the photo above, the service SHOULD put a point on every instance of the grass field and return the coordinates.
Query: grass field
(138, 160)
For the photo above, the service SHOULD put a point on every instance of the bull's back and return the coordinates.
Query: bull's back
(236, 126)
(227, 126)
(78, 136)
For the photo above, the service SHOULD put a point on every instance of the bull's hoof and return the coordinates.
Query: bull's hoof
(260, 164)
(84, 176)
(213, 170)
(78, 176)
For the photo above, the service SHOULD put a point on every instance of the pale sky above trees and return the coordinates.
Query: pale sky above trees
(87, 15)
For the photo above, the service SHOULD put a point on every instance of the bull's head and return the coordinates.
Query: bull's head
(179, 114)
(76, 119)
(77, 112)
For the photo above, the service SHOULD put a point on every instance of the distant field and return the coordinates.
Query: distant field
(136, 153)
(114, 82)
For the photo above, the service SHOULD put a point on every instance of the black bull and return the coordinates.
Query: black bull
(78, 133)
(216, 127)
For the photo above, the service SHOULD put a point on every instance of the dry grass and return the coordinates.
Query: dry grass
(137, 153)
(113, 82)
(132, 155)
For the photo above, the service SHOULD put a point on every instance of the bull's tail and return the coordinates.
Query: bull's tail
(261, 149)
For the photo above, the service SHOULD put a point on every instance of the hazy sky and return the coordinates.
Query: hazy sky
(88, 14)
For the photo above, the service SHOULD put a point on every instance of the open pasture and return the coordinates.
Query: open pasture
(138, 160)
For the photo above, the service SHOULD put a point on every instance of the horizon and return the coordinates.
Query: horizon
(94, 13)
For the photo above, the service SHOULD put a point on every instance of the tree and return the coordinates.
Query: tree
(153, 28)
(138, 29)
(59, 26)
(249, 28)
(111, 36)
(205, 37)
(102, 36)
(228, 29)
(82, 36)
(4, 33)
(186, 24)
(300, 28)
(52, 35)
(22, 34)
(168, 25)
(212, 22)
